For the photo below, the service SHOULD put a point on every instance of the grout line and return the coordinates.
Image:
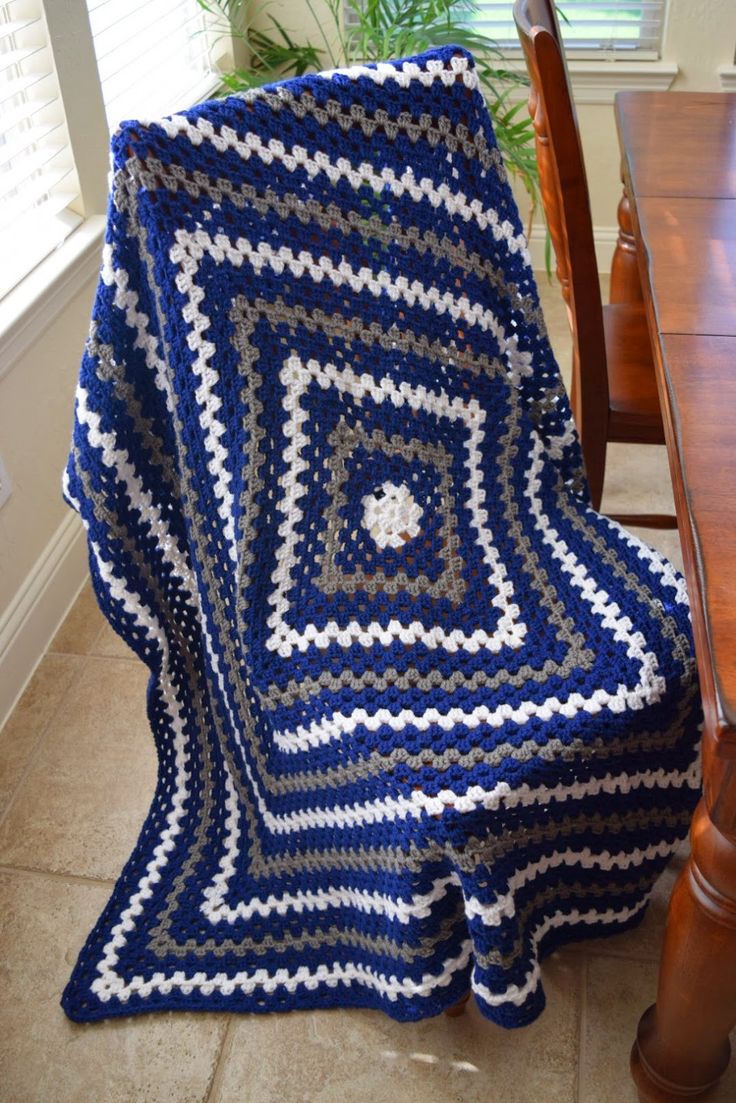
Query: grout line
(215, 1083)
(75, 878)
(34, 755)
(582, 1018)
(131, 657)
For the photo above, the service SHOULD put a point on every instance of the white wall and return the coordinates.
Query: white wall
(42, 558)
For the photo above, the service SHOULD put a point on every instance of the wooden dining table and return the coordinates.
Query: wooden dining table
(677, 252)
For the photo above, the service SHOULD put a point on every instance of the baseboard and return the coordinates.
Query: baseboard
(44, 599)
(605, 243)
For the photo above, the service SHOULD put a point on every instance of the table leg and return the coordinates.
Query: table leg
(625, 282)
(458, 1008)
(682, 1046)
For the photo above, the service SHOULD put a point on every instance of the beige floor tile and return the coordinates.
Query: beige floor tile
(81, 626)
(346, 1056)
(83, 803)
(47, 1059)
(618, 991)
(109, 643)
(27, 723)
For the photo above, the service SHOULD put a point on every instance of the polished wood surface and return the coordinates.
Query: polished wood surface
(687, 261)
(690, 151)
(699, 372)
(692, 262)
(614, 393)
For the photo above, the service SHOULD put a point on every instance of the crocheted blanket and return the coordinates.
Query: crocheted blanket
(421, 715)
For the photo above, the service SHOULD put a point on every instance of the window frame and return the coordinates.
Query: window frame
(600, 55)
(31, 306)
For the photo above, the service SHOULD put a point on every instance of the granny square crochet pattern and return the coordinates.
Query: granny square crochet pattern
(421, 714)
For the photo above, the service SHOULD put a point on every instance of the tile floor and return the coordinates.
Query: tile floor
(76, 773)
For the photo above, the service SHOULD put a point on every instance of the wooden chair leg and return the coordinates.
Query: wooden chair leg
(459, 1007)
(682, 1046)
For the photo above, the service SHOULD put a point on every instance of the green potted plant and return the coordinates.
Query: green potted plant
(356, 31)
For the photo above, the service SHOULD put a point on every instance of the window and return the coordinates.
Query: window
(152, 58)
(616, 28)
(40, 202)
(64, 70)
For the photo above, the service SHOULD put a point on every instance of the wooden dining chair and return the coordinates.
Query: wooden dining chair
(614, 390)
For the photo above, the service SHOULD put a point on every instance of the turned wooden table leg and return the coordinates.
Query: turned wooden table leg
(625, 281)
(459, 1007)
(682, 1046)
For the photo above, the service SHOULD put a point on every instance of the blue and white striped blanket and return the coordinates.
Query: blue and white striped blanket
(421, 715)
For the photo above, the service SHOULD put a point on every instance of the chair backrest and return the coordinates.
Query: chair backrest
(564, 189)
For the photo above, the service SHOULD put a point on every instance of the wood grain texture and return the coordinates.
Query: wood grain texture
(692, 262)
(700, 375)
(687, 263)
(679, 143)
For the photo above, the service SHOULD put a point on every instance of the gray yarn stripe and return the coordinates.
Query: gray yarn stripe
(109, 371)
(153, 173)
(558, 891)
(412, 678)
(344, 935)
(456, 136)
(450, 584)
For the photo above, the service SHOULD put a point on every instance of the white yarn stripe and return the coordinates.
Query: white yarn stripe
(117, 460)
(648, 690)
(658, 565)
(504, 907)
(297, 158)
(127, 301)
(392, 908)
(519, 994)
(214, 894)
(109, 983)
(338, 725)
(191, 247)
(330, 976)
(209, 403)
(296, 377)
(419, 804)
(409, 71)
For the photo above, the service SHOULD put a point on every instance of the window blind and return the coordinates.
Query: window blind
(152, 57)
(616, 26)
(39, 190)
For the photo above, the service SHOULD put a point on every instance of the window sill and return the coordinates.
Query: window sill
(599, 81)
(31, 307)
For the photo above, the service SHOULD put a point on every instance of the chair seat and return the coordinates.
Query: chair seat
(635, 415)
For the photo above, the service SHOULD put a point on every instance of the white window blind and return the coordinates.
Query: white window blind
(39, 190)
(617, 27)
(152, 56)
